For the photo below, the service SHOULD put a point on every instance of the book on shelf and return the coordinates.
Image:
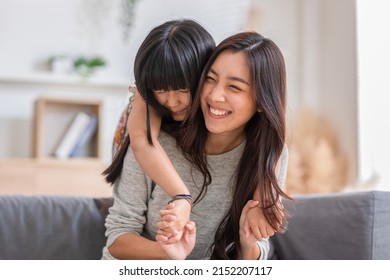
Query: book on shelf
(72, 135)
(85, 137)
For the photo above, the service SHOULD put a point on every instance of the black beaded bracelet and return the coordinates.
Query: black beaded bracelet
(187, 197)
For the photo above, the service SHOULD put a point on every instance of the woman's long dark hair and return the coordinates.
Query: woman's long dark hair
(265, 137)
(171, 57)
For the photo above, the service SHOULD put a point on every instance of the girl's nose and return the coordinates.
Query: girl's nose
(173, 100)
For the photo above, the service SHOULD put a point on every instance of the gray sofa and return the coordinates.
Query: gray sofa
(338, 226)
(333, 226)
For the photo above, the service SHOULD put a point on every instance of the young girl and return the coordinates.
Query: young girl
(167, 69)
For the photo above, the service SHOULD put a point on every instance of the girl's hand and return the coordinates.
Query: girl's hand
(258, 224)
(247, 237)
(173, 220)
(182, 248)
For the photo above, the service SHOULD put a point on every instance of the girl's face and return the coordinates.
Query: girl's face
(176, 101)
(227, 99)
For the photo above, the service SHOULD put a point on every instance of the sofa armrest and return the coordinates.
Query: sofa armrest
(50, 227)
(336, 226)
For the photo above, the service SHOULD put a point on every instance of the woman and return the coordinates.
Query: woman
(235, 142)
(263, 126)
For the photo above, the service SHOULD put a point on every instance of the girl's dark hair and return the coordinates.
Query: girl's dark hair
(171, 57)
(265, 138)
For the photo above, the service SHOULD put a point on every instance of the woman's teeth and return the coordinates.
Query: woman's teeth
(219, 112)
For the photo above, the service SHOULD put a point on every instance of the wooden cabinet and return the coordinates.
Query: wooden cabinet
(35, 111)
(53, 177)
(44, 173)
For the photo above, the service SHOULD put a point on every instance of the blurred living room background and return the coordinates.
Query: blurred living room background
(64, 56)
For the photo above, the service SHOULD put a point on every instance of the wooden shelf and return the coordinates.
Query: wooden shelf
(49, 102)
(52, 118)
(68, 80)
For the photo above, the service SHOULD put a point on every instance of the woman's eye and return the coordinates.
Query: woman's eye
(235, 88)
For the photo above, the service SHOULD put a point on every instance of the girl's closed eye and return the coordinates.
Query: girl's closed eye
(210, 79)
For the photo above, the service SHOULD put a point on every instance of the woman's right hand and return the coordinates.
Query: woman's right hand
(182, 248)
(177, 248)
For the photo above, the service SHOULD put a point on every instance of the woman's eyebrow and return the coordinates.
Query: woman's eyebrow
(233, 78)
(238, 79)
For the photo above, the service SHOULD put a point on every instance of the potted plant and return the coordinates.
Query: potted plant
(88, 66)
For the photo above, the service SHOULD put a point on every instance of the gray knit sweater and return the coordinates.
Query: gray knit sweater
(136, 205)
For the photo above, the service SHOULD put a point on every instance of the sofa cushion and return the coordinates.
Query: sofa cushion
(336, 226)
(103, 204)
(50, 227)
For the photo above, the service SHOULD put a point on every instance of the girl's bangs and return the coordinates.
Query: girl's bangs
(164, 72)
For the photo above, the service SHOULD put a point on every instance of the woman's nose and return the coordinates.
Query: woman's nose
(217, 94)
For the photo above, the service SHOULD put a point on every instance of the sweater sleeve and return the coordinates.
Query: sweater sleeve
(131, 192)
(283, 167)
(264, 243)
(264, 248)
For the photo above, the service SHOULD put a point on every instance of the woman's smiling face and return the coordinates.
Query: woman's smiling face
(228, 100)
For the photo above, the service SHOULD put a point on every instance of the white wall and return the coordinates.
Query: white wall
(221, 18)
(32, 31)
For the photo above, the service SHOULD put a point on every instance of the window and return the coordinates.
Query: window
(373, 92)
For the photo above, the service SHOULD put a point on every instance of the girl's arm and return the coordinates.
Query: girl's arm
(155, 162)
(128, 218)
(250, 247)
(152, 159)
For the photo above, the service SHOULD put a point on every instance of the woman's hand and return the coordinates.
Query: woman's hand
(180, 249)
